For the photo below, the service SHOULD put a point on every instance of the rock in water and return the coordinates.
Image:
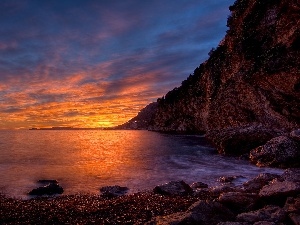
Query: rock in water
(240, 140)
(281, 151)
(256, 184)
(50, 189)
(113, 191)
(173, 188)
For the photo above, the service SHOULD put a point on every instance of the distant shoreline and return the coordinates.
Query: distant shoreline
(66, 128)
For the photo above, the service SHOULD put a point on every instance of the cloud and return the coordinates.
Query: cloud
(91, 63)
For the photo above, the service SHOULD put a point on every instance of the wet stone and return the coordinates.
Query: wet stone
(258, 182)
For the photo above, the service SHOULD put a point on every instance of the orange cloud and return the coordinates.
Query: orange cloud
(74, 100)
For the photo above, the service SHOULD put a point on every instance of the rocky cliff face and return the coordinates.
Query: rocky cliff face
(251, 82)
(143, 120)
(252, 77)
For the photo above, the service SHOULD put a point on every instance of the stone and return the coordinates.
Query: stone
(295, 218)
(197, 185)
(269, 213)
(240, 140)
(50, 189)
(201, 212)
(258, 182)
(280, 151)
(173, 188)
(295, 134)
(113, 191)
(238, 201)
(291, 174)
(292, 205)
(280, 189)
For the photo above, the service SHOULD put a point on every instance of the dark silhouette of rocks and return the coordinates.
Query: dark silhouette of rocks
(266, 199)
(248, 91)
(50, 187)
(113, 191)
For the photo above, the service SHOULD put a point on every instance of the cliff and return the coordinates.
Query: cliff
(143, 120)
(248, 91)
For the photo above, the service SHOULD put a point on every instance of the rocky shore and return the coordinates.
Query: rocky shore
(267, 199)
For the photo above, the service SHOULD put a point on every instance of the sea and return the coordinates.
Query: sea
(83, 161)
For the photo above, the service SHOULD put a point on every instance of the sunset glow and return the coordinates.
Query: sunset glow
(98, 63)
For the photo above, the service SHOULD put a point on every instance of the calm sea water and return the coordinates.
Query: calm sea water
(85, 160)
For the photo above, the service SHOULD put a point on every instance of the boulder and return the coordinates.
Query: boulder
(50, 189)
(113, 191)
(240, 140)
(238, 201)
(258, 182)
(270, 213)
(291, 174)
(173, 188)
(281, 152)
(201, 212)
(292, 205)
(280, 189)
(295, 134)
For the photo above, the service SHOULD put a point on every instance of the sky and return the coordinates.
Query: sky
(97, 63)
